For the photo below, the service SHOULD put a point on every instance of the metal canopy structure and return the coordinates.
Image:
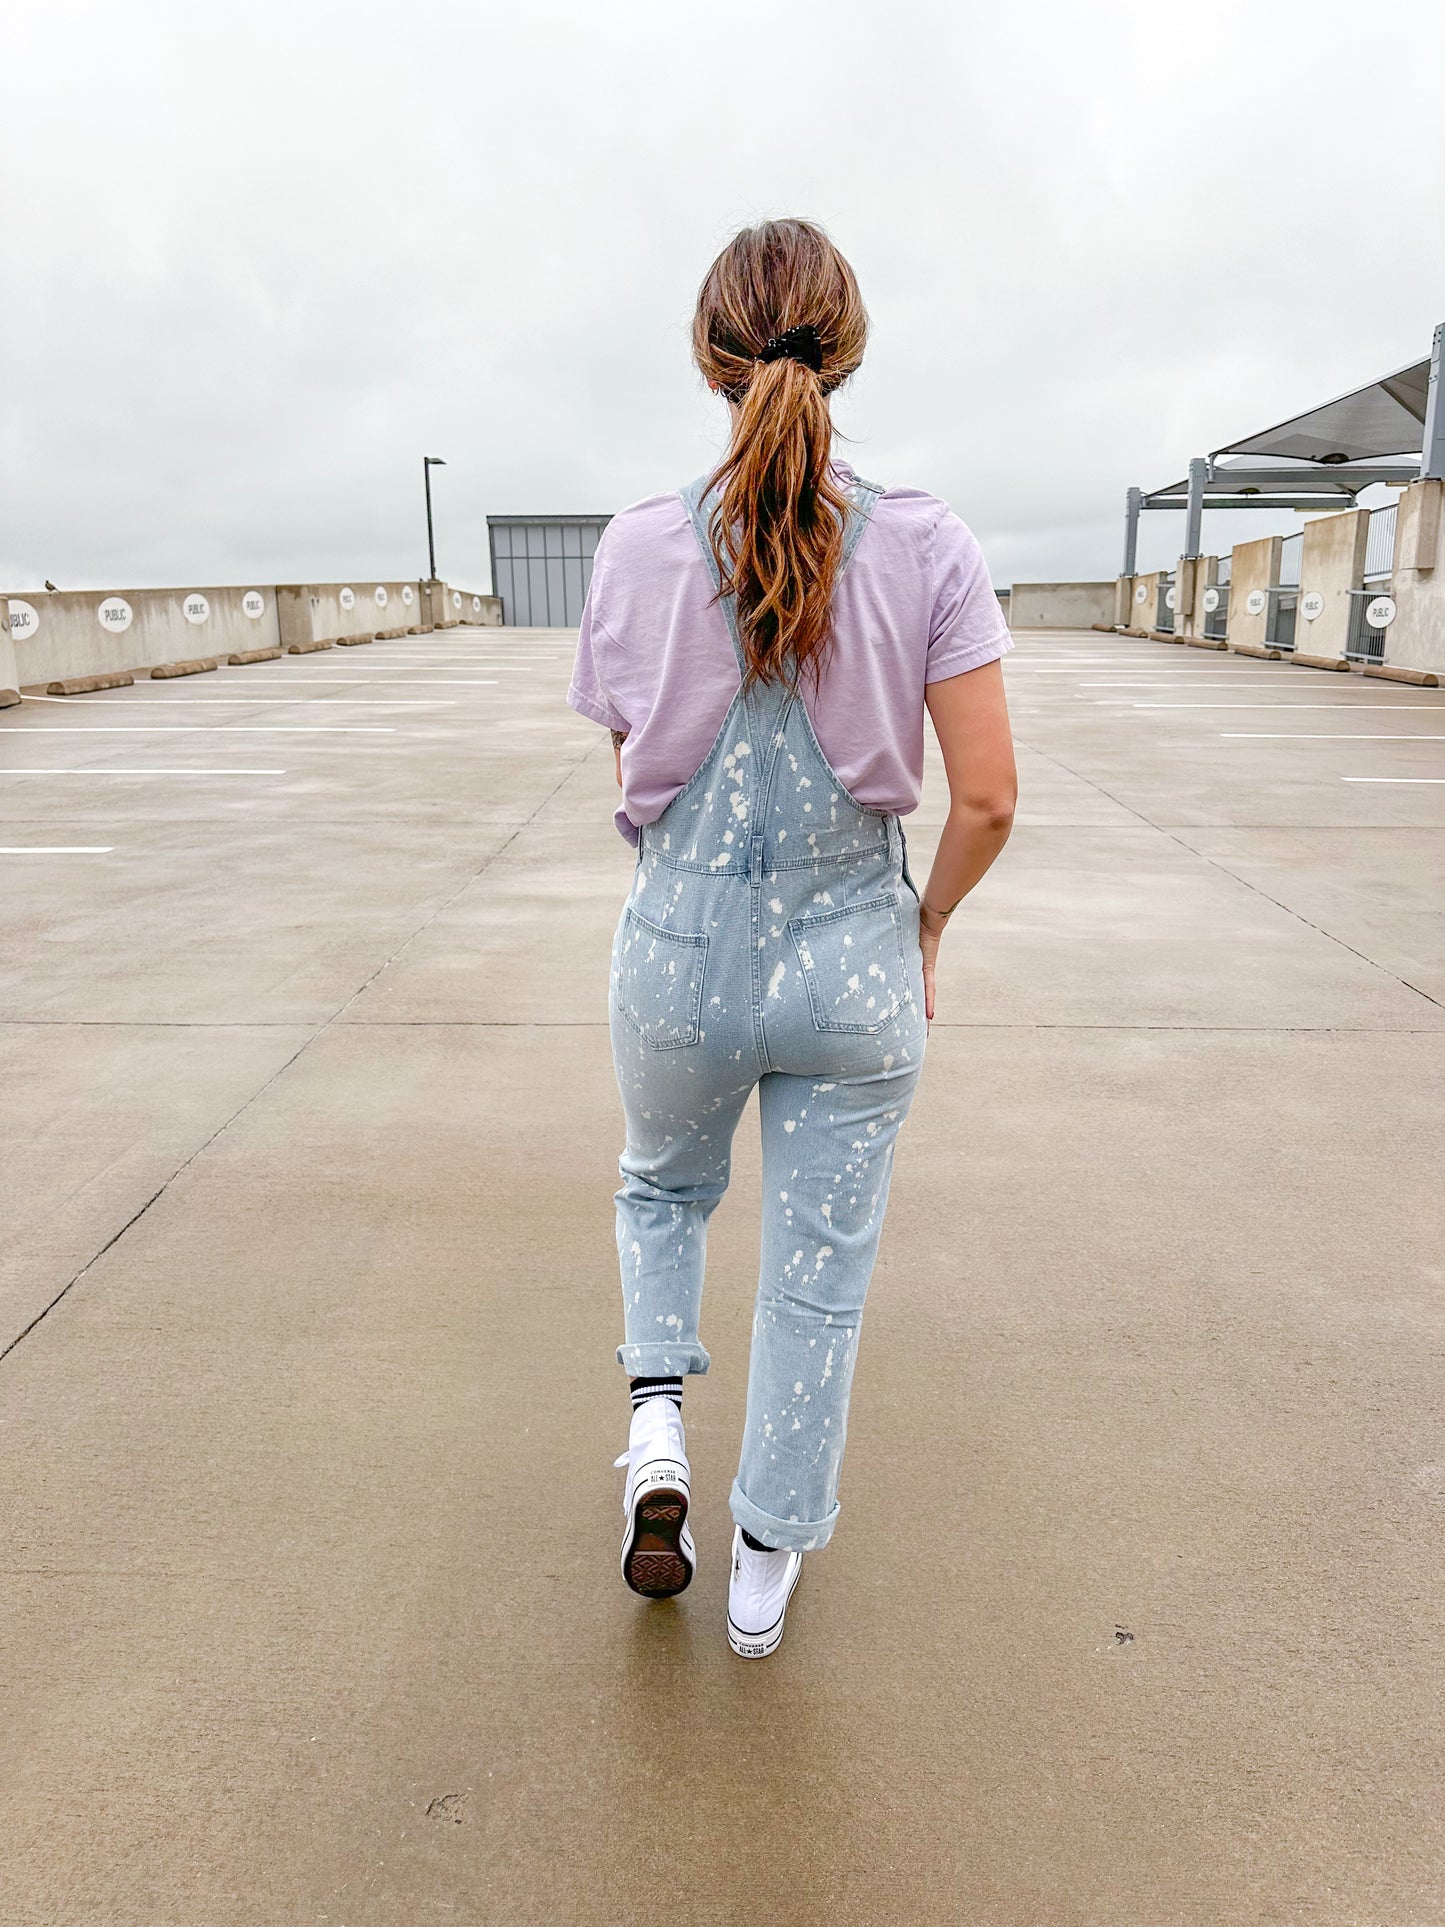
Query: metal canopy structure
(1392, 431)
(1386, 417)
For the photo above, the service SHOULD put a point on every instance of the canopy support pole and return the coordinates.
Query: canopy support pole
(1133, 502)
(1432, 459)
(1194, 507)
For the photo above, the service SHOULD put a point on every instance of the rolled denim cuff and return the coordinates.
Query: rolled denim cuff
(662, 1361)
(784, 1535)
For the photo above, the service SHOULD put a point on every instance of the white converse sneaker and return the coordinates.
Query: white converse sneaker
(758, 1593)
(658, 1556)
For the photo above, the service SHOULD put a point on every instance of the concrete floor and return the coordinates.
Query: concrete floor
(308, 1522)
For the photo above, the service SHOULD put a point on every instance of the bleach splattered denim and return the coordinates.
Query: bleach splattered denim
(770, 938)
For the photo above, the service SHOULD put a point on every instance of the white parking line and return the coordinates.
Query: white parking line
(498, 669)
(205, 729)
(249, 702)
(393, 682)
(1172, 682)
(1420, 708)
(522, 659)
(91, 771)
(1392, 779)
(56, 849)
(1335, 736)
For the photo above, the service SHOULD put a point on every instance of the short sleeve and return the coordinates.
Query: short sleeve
(587, 692)
(967, 628)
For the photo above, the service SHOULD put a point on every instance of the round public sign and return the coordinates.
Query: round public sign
(1312, 606)
(347, 598)
(195, 608)
(1379, 614)
(1141, 594)
(456, 599)
(1168, 598)
(380, 596)
(1211, 601)
(1256, 601)
(24, 618)
(476, 605)
(407, 595)
(253, 604)
(115, 614)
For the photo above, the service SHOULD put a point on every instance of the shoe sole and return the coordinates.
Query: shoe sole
(658, 1555)
(759, 1645)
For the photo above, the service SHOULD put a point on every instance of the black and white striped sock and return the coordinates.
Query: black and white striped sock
(646, 1388)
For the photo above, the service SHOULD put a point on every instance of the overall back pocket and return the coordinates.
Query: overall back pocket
(852, 962)
(658, 981)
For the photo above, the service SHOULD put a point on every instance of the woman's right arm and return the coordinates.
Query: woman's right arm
(970, 719)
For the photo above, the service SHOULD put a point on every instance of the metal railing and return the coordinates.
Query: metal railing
(1216, 620)
(1367, 643)
(1380, 543)
(1284, 594)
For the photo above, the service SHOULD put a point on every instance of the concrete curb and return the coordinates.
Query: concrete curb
(307, 648)
(255, 655)
(82, 685)
(1266, 652)
(387, 635)
(1387, 672)
(355, 642)
(192, 666)
(1319, 662)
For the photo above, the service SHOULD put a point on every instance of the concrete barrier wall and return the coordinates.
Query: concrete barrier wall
(1060, 605)
(1255, 567)
(83, 632)
(1332, 562)
(468, 605)
(317, 611)
(1416, 638)
(9, 675)
(1144, 599)
(91, 632)
(1189, 577)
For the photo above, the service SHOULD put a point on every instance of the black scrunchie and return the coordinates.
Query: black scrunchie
(798, 344)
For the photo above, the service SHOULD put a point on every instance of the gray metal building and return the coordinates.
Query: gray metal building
(542, 566)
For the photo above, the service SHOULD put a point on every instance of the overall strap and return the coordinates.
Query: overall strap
(865, 497)
(698, 501)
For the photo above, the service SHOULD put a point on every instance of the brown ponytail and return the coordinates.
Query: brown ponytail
(778, 531)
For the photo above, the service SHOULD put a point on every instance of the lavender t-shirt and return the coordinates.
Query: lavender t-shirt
(654, 657)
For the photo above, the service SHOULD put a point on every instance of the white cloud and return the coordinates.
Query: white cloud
(260, 261)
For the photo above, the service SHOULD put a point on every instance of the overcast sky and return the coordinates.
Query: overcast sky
(261, 259)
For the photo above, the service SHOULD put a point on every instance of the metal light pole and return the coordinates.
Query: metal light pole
(428, 463)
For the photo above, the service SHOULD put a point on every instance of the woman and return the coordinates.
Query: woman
(762, 645)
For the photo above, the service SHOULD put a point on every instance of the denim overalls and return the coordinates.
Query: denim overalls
(771, 938)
